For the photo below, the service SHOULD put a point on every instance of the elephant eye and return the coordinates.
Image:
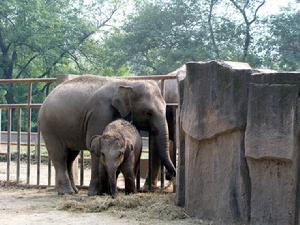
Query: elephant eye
(148, 113)
(121, 154)
(102, 155)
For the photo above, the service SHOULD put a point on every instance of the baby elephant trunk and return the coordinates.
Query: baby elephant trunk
(112, 178)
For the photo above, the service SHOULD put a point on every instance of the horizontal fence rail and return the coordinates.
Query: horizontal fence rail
(22, 144)
(26, 81)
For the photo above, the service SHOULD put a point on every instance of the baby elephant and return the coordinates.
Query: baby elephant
(119, 149)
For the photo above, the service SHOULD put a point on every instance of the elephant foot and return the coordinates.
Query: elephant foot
(75, 190)
(145, 188)
(169, 176)
(114, 196)
(93, 190)
(66, 191)
(129, 191)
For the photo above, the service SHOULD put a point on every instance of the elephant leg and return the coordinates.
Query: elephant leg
(155, 165)
(59, 154)
(117, 174)
(103, 181)
(95, 179)
(70, 160)
(129, 180)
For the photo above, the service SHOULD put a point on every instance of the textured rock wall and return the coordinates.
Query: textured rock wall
(217, 182)
(213, 118)
(239, 135)
(271, 150)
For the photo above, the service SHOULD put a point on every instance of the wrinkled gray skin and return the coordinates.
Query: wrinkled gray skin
(78, 109)
(171, 96)
(171, 91)
(119, 149)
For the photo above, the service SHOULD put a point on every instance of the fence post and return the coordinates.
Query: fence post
(29, 132)
(81, 168)
(0, 129)
(75, 170)
(38, 156)
(8, 156)
(19, 144)
(162, 173)
(149, 163)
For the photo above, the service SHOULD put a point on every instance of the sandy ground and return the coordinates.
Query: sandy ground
(35, 207)
(44, 206)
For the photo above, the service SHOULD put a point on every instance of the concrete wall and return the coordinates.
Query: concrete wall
(239, 144)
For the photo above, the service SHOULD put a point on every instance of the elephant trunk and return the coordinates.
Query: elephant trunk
(161, 140)
(112, 182)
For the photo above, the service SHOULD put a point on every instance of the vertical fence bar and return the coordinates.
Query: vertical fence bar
(8, 143)
(138, 176)
(19, 144)
(49, 171)
(49, 161)
(149, 164)
(81, 168)
(162, 177)
(38, 172)
(174, 156)
(0, 129)
(29, 133)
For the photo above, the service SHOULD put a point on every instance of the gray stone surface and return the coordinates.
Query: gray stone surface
(180, 176)
(213, 119)
(276, 78)
(273, 192)
(271, 121)
(217, 185)
(215, 99)
(271, 148)
(239, 136)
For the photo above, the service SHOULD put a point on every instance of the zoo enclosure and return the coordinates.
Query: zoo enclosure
(29, 106)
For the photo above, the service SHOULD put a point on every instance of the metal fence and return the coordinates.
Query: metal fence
(34, 138)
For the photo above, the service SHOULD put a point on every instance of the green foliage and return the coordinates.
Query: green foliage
(39, 33)
(160, 37)
(42, 38)
(286, 30)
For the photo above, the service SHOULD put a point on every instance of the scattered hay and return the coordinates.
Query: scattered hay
(19, 185)
(141, 206)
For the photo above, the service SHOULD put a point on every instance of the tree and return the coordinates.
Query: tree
(162, 36)
(211, 29)
(243, 7)
(38, 35)
(286, 32)
(41, 38)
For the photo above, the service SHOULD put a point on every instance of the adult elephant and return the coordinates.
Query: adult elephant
(78, 109)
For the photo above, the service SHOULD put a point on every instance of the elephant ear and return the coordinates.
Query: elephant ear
(128, 149)
(95, 145)
(129, 146)
(122, 100)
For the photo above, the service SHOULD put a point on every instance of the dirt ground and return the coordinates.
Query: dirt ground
(43, 206)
